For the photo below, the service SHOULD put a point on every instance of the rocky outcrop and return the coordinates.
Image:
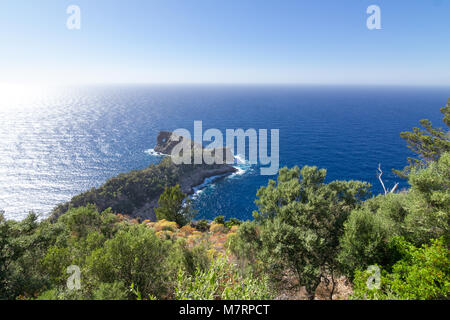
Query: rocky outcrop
(166, 142)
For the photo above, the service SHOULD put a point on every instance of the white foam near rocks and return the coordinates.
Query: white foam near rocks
(241, 165)
(152, 152)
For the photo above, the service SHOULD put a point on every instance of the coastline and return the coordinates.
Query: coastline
(137, 192)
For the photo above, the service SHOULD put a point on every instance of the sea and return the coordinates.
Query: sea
(56, 142)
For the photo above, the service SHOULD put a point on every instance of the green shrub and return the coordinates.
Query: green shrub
(422, 274)
(111, 291)
(232, 222)
(302, 219)
(246, 246)
(201, 225)
(134, 256)
(428, 202)
(365, 240)
(219, 220)
(187, 259)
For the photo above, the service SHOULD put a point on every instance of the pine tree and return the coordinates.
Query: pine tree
(173, 207)
(429, 143)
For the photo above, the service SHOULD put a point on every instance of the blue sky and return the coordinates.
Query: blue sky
(218, 41)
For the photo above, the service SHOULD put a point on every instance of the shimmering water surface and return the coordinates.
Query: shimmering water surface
(56, 143)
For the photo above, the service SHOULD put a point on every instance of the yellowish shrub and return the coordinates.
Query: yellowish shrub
(165, 225)
(187, 230)
(165, 234)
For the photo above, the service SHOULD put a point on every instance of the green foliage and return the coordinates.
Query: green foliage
(422, 274)
(112, 256)
(221, 281)
(219, 220)
(428, 202)
(201, 225)
(302, 219)
(229, 223)
(421, 214)
(188, 259)
(232, 222)
(110, 291)
(246, 245)
(367, 233)
(62, 294)
(135, 256)
(173, 207)
(22, 244)
(84, 220)
(428, 143)
(446, 111)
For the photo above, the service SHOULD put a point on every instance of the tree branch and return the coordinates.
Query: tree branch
(379, 178)
(386, 191)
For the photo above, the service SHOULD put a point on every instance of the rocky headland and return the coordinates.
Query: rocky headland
(136, 193)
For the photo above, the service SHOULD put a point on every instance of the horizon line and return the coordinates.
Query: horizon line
(51, 84)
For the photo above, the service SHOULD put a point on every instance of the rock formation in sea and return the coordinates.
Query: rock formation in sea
(166, 142)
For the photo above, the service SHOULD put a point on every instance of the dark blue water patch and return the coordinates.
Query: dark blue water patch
(79, 137)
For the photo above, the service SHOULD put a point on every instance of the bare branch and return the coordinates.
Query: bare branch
(394, 188)
(386, 191)
(379, 178)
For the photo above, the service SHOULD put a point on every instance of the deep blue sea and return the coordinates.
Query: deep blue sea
(56, 143)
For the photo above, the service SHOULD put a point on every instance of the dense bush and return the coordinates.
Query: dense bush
(428, 202)
(22, 246)
(422, 273)
(135, 256)
(419, 215)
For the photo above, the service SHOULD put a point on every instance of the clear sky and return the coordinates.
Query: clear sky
(225, 41)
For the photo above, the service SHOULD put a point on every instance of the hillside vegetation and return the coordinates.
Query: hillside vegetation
(136, 193)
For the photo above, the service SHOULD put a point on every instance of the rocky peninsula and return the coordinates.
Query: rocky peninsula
(136, 193)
